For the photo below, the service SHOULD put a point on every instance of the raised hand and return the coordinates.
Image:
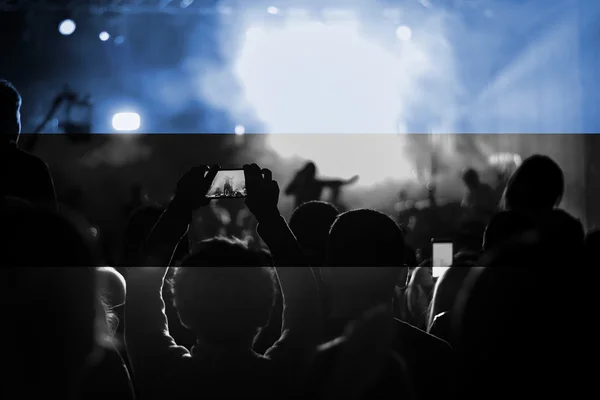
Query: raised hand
(174, 223)
(193, 186)
(262, 192)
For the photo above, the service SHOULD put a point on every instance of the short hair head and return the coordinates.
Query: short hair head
(223, 292)
(365, 238)
(359, 241)
(10, 112)
(311, 223)
(538, 184)
(471, 177)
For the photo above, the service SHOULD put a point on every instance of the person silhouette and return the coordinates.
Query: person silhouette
(479, 196)
(228, 187)
(22, 175)
(307, 187)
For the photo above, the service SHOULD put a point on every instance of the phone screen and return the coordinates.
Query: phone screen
(442, 258)
(228, 184)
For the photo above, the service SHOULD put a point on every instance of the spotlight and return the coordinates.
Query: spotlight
(273, 10)
(104, 36)
(67, 27)
(126, 122)
(404, 33)
(240, 130)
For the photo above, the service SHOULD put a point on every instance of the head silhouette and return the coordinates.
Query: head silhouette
(49, 280)
(311, 223)
(365, 238)
(310, 170)
(365, 253)
(228, 299)
(10, 112)
(471, 178)
(537, 185)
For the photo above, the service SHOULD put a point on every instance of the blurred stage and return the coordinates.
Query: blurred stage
(104, 171)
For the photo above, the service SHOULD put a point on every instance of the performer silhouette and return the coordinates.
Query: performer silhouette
(306, 187)
(228, 187)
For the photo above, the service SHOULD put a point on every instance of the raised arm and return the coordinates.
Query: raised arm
(302, 314)
(173, 225)
(336, 183)
(150, 347)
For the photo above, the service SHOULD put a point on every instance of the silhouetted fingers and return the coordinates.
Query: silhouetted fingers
(253, 176)
(267, 174)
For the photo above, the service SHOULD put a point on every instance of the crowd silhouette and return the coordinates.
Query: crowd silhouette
(331, 305)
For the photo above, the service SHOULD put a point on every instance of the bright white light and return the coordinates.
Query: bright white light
(313, 78)
(273, 10)
(404, 33)
(104, 36)
(67, 27)
(240, 130)
(126, 122)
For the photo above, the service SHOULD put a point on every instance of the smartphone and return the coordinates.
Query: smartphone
(228, 184)
(443, 255)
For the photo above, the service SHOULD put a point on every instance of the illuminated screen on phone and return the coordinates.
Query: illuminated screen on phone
(228, 184)
(442, 258)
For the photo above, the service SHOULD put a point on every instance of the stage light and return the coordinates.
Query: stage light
(186, 3)
(404, 33)
(240, 130)
(320, 100)
(273, 10)
(104, 36)
(126, 122)
(67, 27)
